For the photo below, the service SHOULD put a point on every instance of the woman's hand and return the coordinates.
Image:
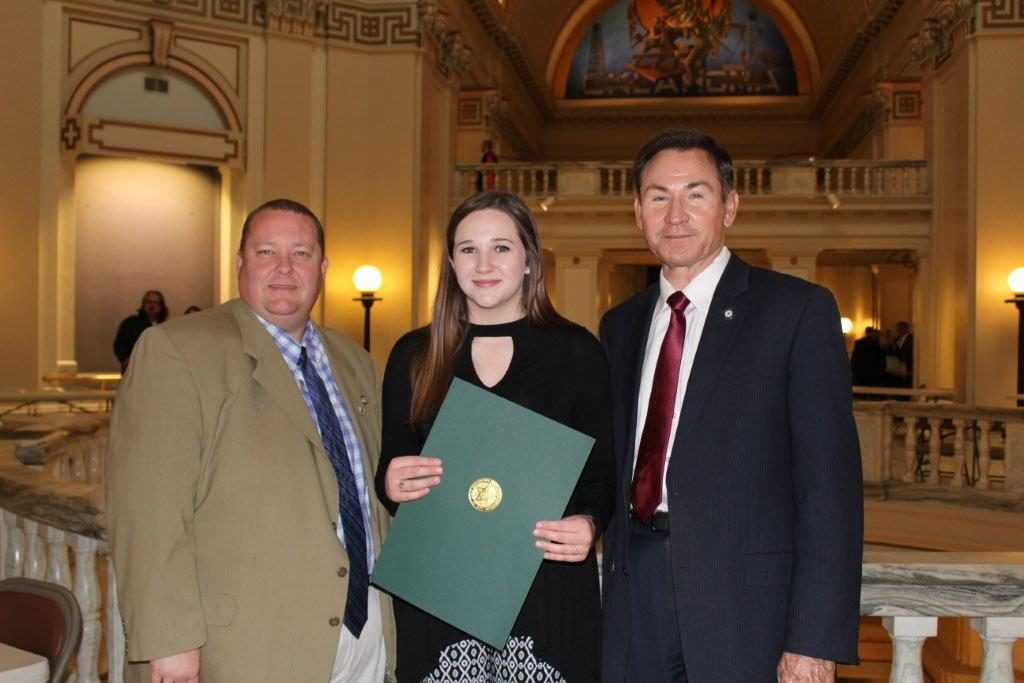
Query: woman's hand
(410, 477)
(567, 540)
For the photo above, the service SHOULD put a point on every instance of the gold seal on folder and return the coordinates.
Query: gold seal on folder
(485, 494)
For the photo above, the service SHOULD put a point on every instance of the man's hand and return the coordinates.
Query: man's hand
(179, 668)
(800, 669)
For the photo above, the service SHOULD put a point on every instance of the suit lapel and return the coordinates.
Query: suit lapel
(272, 373)
(723, 322)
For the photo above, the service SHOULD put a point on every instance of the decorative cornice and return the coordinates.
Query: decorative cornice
(353, 22)
(873, 112)
(883, 17)
(493, 26)
(497, 110)
(452, 51)
(942, 31)
(294, 17)
(678, 119)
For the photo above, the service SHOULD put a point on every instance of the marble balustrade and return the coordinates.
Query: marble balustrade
(945, 447)
(52, 528)
(813, 177)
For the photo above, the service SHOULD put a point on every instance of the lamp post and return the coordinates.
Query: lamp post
(367, 280)
(1016, 282)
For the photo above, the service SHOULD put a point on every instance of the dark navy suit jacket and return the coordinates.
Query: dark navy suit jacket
(764, 481)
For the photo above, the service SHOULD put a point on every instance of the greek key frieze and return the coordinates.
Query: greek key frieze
(372, 27)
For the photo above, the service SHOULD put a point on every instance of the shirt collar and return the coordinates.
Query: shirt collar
(701, 289)
(289, 348)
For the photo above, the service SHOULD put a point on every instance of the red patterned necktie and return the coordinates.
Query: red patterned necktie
(650, 458)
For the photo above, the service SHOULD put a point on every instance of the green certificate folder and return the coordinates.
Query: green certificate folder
(461, 554)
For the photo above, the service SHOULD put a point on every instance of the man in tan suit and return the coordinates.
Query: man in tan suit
(241, 526)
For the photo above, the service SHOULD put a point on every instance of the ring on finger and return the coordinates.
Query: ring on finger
(575, 550)
(401, 485)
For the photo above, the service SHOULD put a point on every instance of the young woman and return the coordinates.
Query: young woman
(494, 326)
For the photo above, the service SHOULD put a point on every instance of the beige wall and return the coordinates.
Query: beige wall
(952, 172)
(139, 225)
(21, 127)
(998, 228)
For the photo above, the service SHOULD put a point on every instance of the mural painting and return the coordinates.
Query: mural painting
(674, 48)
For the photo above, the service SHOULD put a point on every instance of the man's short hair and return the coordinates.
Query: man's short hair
(683, 139)
(290, 206)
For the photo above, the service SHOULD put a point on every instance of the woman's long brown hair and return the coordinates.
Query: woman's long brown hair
(433, 369)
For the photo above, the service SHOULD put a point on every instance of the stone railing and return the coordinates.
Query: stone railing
(944, 447)
(51, 511)
(832, 179)
(51, 519)
(911, 589)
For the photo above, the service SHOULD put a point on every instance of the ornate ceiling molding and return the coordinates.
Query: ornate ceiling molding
(942, 31)
(452, 55)
(883, 17)
(509, 45)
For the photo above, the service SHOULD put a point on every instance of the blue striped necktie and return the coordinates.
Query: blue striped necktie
(348, 497)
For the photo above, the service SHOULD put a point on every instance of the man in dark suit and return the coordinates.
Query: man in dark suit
(903, 349)
(735, 551)
(867, 361)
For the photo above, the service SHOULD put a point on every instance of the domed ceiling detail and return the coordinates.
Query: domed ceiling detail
(682, 48)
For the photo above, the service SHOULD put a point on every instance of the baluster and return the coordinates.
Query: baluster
(984, 453)
(542, 187)
(958, 453)
(115, 630)
(77, 465)
(58, 570)
(908, 635)
(830, 178)
(93, 464)
(35, 551)
(888, 422)
(87, 592)
(910, 448)
(934, 449)
(906, 180)
(998, 634)
(12, 546)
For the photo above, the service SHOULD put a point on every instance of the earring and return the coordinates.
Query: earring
(527, 270)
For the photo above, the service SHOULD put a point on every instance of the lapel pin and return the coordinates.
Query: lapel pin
(362, 410)
(728, 314)
(363, 400)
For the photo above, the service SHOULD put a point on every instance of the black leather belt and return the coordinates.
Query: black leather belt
(657, 522)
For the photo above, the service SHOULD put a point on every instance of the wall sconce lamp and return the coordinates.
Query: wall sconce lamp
(847, 325)
(547, 203)
(1016, 282)
(833, 200)
(367, 280)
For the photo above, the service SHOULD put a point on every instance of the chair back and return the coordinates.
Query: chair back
(42, 618)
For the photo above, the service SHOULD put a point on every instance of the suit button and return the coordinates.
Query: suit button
(342, 572)
(334, 525)
(334, 621)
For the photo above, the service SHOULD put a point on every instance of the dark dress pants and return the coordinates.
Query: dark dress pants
(655, 650)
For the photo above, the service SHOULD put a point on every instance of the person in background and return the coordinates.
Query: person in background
(152, 311)
(902, 348)
(487, 156)
(192, 309)
(867, 361)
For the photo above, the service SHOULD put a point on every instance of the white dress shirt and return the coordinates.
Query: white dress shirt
(699, 293)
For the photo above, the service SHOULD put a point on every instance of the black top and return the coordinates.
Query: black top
(561, 373)
(128, 333)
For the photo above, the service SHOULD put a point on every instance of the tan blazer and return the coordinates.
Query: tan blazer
(222, 503)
